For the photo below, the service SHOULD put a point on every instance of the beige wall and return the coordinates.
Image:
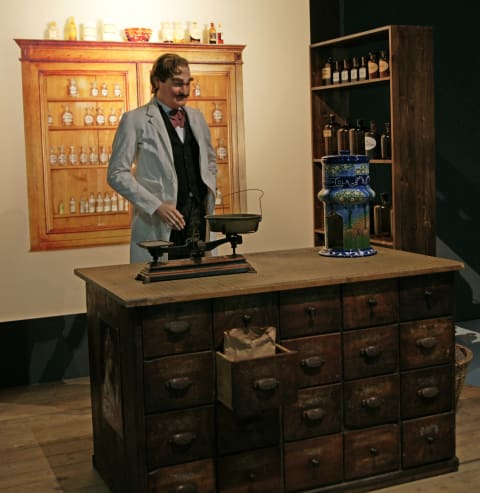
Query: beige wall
(276, 94)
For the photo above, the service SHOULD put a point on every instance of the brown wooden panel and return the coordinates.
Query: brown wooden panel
(317, 411)
(370, 303)
(312, 463)
(192, 477)
(179, 436)
(372, 451)
(426, 296)
(236, 434)
(176, 328)
(371, 401)
(427, 440)
(427, 391)
(258, 471)
(309, 311)
(426, 342)
(243, 311)
(368, 352)
(319, 359)
(173, 382)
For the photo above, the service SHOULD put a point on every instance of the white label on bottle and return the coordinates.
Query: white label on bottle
(353, 74)
(88, 120)
(336, 77)
(370, 143)
(344, 75)
(362, 73)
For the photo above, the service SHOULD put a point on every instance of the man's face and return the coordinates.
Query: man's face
(175, 91)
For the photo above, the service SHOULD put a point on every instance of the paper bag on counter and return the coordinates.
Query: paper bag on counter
(254, 342)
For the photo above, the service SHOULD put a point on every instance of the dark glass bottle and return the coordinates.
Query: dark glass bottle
(382, 217)
(372, 146)
(354, 69)
(327, 70)
(330, 135)
(372, 65)
(343, 143)
(356, 138)
(363, 69)
(383, 64)
(386, 143)
(345, 73)
(336, 72)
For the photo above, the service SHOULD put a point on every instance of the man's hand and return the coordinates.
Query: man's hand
(171, 216)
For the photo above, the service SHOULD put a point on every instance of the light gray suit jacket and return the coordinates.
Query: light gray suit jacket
(142, 140)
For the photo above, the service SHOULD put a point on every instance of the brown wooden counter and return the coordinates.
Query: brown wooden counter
(367, 385)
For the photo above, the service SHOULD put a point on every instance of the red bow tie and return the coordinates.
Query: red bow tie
(177, 117)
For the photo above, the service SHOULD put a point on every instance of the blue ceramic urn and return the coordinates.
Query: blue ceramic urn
(346, 195)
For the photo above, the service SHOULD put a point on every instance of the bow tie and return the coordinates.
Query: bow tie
(177, 117)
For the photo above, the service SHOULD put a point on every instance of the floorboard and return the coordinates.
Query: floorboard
(46, 443)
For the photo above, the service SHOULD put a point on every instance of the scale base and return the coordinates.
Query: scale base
(187, 268)
(351, 253)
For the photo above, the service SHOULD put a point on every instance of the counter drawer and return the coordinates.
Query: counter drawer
(371, 401)
(313, 463)
(369, 352)
(427, 342)
(176, 328)
(426, 296)
(235, 434)
(319, 359)
(427, 391)
(373, 451)
(179, 381)
(180, 436)
(257, 471)
(250, 386)
(238, 312)
(370, 303)
(427, 440)
(309, 311)
(193, 477)
(317, 411)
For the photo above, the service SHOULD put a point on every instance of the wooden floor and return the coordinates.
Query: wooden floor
(46, 443)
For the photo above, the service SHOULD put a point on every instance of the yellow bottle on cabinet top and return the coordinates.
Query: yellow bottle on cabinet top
(71, 30)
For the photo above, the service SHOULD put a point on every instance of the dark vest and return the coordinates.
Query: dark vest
(186, 158)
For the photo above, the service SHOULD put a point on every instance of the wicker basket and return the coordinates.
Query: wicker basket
(463, 356)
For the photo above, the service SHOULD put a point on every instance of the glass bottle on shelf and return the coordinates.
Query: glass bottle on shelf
(72, 156)
(167, 32)
(83, 206)
(114, 202)
(383, 64)
(104, 90)
(356, 138)
(112, 117)
(94, 89)
(371, 141)
(52, 30)
(372, 65)
(61, 207)
(386, 143)
(67, 116)
(88, 118)
(71, 29)
(327, 71)
(363, 69)
(52, 157)
(345, 73)
(103, 157)
(99, 203)
(121, 203)
(72, 88)
(106, 203)
(343, 143)
(221, 149)
(49, 118)
(93, 156)
(217, 114)
(83, 158)
(197, 91)
(218, 197)
(179, 32)
(354, 70)
(212, 34)
(72, 205)
(330, 135)
(62, 157)
(91, 203)
(336, 72)
(195, 33)
(382, 217)
(100, 118)
(117, 90)
(220, 38)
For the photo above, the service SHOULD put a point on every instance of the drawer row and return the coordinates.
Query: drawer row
(195, 326)
(310, 463)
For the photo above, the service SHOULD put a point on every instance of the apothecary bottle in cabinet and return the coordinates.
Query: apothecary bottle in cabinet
(74, 96)
(401, 99)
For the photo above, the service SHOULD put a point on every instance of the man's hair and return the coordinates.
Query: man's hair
(166, 67)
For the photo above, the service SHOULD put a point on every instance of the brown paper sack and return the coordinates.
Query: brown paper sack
(255, 342)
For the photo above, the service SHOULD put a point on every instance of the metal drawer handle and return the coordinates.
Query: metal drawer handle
(372, 402)
(371, 352)
(266, 384)
(427, 342)
(428, 392)
(429, 439)
(372, 302)
(311, 310)
(315, 462)
(251, 476)
(178, 383)
(312, 362)
(185, 488)
(428, 293)
(374, 451)
(177, 327)
(246, 319)
(183, 439)
(316, 414)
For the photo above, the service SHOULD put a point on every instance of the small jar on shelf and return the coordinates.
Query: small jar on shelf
(67, 116)
(217, 113)
(221, 150)
(62, 156)
(93, 156)
(100, 118)
(88, 119)
(72, 156)
(386, 143)
(52, 157)
(83, 157)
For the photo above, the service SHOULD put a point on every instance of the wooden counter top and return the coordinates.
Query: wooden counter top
(278, 270)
